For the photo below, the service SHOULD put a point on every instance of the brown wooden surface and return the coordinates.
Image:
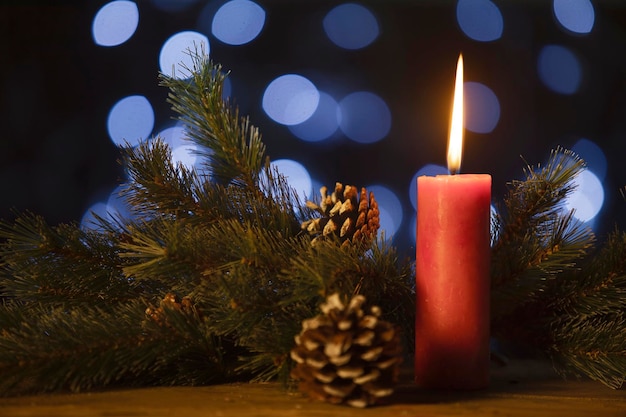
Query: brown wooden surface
(522, 393)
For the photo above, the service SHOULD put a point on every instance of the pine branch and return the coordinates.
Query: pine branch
(231, 145)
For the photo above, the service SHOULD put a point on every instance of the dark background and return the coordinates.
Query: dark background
(57, 86)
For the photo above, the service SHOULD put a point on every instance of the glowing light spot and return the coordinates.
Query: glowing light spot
(296, 174)
(593, 156)
(322, 124)
(365, 117)
(290, 99)
(351, 26)
(174, 136)
(576, 16)
(559, 69)
(429, 169)
(390, 209)
(238, 22)
(117, 206)
(480, 20)
(174, 55)
(130, 120)
(186, 154)
(588, 197)
(173, 5)
(115, 23)
(482, 111)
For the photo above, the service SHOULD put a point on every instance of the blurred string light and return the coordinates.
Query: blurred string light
(115, 23)
(290, 99)
(390, 209)
(480, 20)
(238, 22)
(559, 69)
(576, 16)
(297, 176)
(588, 197)
(351, 26)
(183, 150)
(130, 120)
(175, 52)
(322, 124)
(482, 109)
(365, 117)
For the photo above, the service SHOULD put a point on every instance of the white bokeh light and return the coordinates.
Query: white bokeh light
(175, 52)
(290, 99)
(559, 69)
(588, 197)
(115, 23)
(238, 22)
(296, 174)
(130, 120)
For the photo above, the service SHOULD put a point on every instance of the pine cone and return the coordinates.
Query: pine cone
(171, 301)
(350, 218)
(344, 356)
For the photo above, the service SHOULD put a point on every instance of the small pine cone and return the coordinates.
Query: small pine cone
(345, 356)
(347, 214)
(170, 301)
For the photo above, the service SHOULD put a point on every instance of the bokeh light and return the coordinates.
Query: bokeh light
(238, 22)
(322, 124)
(576, 16)
(365, 117)
(351, 26)
(593, 156)
(559, 69)
(175, 52)
(390, 209)
(88, 221)
(482, 108)
(297, 176)
(130, 120)
(480, 20)
(430, 170)
(588, 197)
(290, 99)
(115, 23)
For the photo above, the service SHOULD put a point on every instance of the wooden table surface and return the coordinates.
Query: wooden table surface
(509, 395)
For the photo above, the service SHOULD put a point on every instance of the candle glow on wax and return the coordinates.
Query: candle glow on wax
(455, 142)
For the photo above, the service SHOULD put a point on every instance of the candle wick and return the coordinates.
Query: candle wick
(453, 171)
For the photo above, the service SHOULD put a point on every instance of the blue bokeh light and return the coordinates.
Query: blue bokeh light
(130, 120)
(175, 52)
(238, 22)
(480, 20)
(322, 124)
(390, 209)
(290, 99)
(593, 156)
(351, 26)
(559, 69)
(482, 108)
(430, 170)
(365, 117)
(576, 16)
(296, 175)
(115, 23)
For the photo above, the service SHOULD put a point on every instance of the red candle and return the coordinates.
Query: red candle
(452, 270)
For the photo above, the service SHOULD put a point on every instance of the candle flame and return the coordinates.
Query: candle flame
(455, 141)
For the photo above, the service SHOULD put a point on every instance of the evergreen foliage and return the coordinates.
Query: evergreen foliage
(86, 308)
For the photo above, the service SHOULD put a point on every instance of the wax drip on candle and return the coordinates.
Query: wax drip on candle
(455, 140)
